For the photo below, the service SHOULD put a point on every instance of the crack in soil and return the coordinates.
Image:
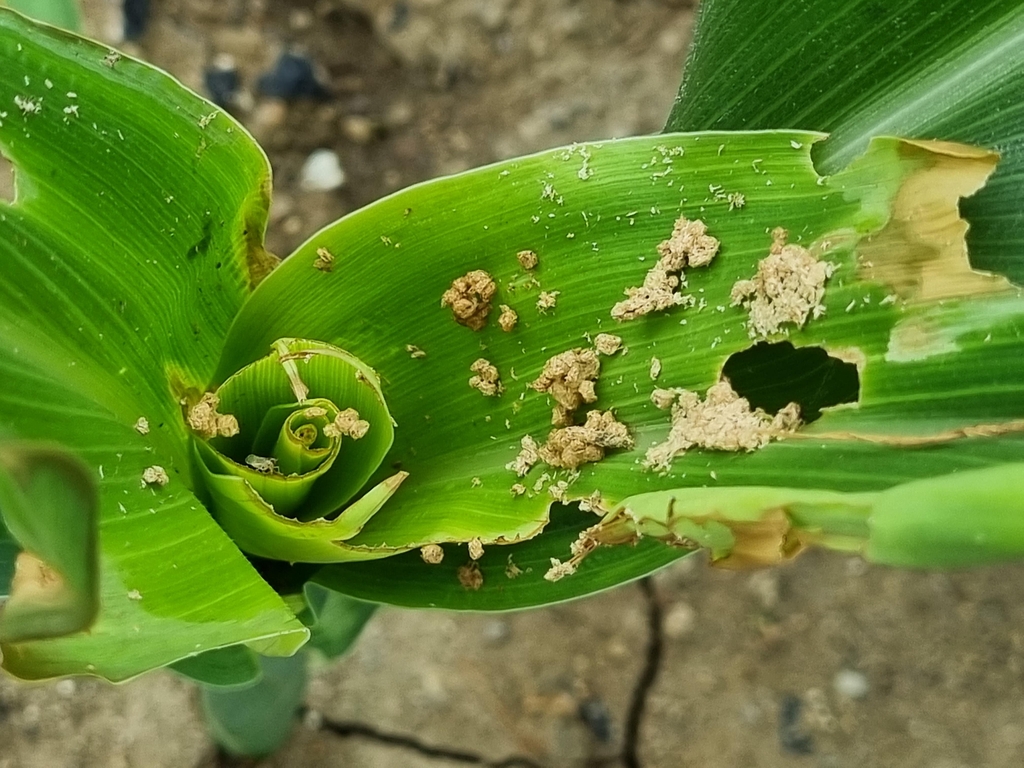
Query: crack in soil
(218, 757)
(648, 675)
(346, 729)
(629, 757)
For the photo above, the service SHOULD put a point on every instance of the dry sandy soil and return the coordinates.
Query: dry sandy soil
(825, 663)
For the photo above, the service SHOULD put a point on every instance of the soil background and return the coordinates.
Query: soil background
(828, 662)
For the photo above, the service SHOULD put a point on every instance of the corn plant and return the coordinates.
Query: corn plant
(760, 331)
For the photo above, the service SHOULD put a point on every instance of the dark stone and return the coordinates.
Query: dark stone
(222, 84)
(399, 16)
(793, 738)
(136, 18)
(292, 78)
(595, 716)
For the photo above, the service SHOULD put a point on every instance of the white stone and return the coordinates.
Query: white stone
(321, 172)
(679, 621)
(851, 684)
(496, 632)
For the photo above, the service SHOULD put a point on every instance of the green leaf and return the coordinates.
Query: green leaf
(919, 68)
(973, 517)
(592, 212)
(9, 550)
(48, 506)
(951, 521)
(335, 620)
(134, 238)
(232, 666)
(512, 577)
(59, 13)
(255, 720)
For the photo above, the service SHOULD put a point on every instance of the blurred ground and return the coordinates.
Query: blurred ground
(826, 663)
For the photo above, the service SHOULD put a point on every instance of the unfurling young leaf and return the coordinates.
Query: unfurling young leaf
(281, 469)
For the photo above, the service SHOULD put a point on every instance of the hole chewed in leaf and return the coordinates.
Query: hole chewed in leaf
(770, 376)
(922, 253)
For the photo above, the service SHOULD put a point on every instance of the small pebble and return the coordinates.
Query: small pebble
(750, 713)
(222, 80)
(492, 15)
(292, 225)
(268, 115)
(30, 714)
(432, 686)
(136, 18)
(765, 586)
(281, 206)
(399, 16)
(400, 113)
(496, 632)
(300, 19)
(292, 77)
(358, 128)
(855, 567)
(792, 736)
(594, 714)
(617, 649)
(321, 172)
(679, 621)
(851, 684)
